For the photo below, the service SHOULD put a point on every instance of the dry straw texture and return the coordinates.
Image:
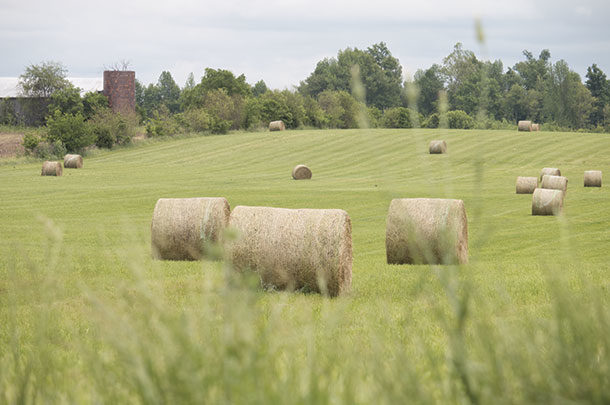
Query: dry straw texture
(593, 178)
(547, 201)
(51, 169)
(551, 171)
(73, 162)
(526, 185)
(183, 227)
(301, 172)
(525, 126)
(535, 127)
(294, 249)
(426, 231)
(437, 147)
(277, 126)
(554, 182)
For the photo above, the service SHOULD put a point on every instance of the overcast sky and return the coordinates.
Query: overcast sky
(281, 41)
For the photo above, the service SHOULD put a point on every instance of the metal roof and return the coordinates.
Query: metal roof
(9, 85)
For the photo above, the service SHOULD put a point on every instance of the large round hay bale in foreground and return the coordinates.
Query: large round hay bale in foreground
(73, 161)
(437, 147)
(554, 182)
(294, 249)
(593, 178)
(526, 185)
(524, 126)
(535, 127)
(547, 201)
(301, 172)
(51, 169)
(183, 228)
(551, 171)
(426, 231)
(277, 126)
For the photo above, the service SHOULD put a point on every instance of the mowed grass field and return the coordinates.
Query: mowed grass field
(86, 315)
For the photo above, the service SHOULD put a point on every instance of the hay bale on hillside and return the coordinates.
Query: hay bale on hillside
(547, 201)
(437, 147)
(277, 126)
(554, 182)
(294, 249)
(51, 169)
(426, 231)
(182, 228)
(535, 127)
(73, 161)
(526, 185)
(525, 126)
(551, 171)
(593, 178)
(301, 172)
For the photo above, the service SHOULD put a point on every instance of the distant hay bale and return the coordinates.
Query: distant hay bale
(535, 127)
(437, 147)
(554, 182)
(277, 126)
(426, 231)
(183, 227)
(547, 201)
(73, 161)
(593, 178)
(525, 126)
(301, 172)
(526, 185)
(51, 169)
(551, 171)
(294, 249)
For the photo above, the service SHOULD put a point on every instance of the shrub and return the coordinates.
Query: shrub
(314, 114)
(253, 114)
(71, 130)
(93, 102)
(431, 122)
(195, 120)
(162, 124)
(375, 117)
(66, 101)
(221, 105)
(340, 107)
(31, 141)
(458, 119)
(49, 150)
(397, 117)
(111, 128)
(220, 126)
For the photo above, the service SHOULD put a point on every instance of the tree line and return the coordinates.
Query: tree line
(357, 88)
(366, 87)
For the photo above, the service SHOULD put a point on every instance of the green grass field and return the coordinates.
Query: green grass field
(86, 315)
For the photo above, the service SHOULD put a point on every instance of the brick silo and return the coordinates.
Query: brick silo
(120, 88)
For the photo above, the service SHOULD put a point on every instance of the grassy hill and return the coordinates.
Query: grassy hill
(83, 307)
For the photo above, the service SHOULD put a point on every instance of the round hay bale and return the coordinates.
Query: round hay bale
(183, 228)
(554, 182)
(277, 126)
(526, 185)
(437, 147)
(593, 178)
(551, 171)
(294, 249)
(73, 161)
(525, 126)
(301, 172)
(426, 231)
(547, 201)
(535, 127)
(51, 169)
